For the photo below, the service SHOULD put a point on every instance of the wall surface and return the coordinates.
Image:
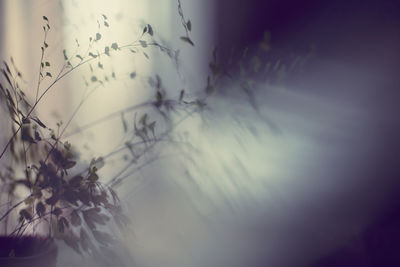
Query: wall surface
(319, 188)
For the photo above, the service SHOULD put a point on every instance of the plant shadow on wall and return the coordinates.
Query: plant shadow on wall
(47, 191)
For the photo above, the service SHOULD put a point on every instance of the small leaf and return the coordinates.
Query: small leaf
(45, 18)
(104, 16)
(107, 51)
(145, 54)
(151, 127)
(47, 64)
(144, 30)
(143, 43)
(7, 67)
(187, 40)
(143, 119)
(133, 75)
(189, 25)
(48, 74)
(98, 36)
(92, 55)
(114, 46)
(102, 237)
(100, 65)
(6, 75)
(93, 79)
(181, 95)
(79, 56)
(124, 124)
(150, 29)
(37, 136)
(106, 24)
(52, 200)
(40, 209)
(46, 44)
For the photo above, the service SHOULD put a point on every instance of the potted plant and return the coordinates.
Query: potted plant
(48, 196)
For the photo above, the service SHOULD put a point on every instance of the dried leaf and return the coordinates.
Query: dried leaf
(187, 40)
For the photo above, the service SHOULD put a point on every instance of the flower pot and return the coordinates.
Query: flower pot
(27, 251)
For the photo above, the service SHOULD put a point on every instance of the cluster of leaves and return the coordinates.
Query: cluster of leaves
(71, 204)
(187, 25)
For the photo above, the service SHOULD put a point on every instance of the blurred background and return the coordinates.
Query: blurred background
(305, 174)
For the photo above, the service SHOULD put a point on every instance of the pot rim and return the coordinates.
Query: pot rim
(51, 247)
